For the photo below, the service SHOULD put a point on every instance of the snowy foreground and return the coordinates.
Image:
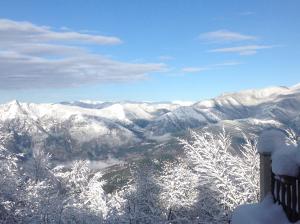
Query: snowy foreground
(262, 213)
(285, 154)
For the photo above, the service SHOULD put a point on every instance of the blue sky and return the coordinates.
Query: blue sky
(52, 51)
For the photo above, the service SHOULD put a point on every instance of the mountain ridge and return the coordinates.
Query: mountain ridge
(99, 130)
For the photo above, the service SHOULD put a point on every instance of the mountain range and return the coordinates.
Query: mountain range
(101, 130)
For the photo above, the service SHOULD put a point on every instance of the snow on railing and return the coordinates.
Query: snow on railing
(286, 192)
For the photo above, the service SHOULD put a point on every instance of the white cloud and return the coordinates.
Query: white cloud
(242, 50)
(225, 36)
(13, 31)
(193, 69)
(209, 67)
(227, 63)
(34, 56)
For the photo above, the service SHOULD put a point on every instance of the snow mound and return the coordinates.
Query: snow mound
(285, 156)
(272, 140)
(265, 212)
(286, 162)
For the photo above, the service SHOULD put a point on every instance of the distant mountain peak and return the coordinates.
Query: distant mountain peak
(14, 102)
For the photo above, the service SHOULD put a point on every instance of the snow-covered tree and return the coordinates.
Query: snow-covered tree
(178, 191)
(9, 182)
(226, 177)
(41, 162)
(201, 187)
(85, 198)
(137, 202)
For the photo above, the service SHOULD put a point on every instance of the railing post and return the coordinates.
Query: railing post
(265, 174)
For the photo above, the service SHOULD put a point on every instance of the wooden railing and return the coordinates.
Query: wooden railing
(286, 192)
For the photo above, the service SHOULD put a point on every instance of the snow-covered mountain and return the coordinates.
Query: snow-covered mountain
(67, 130)
(275, 105)
(124, 112)
(100, 129)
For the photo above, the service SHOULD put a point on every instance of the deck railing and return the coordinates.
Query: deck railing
(286, 192)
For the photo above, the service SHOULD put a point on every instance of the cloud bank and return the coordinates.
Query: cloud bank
(33, 56)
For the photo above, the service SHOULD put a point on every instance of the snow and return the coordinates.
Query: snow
(285, 153)
(265, 212)
(93, 164)
(11, 110)
(183, 103)
(285, 156)
(59, 111)
(186, 114)
(93, 102)
(261, 122)
(286, 162)
(124, 112)
(206, 104)
(252, 97)
(272, 140)
(256, 96)
(262, 108)
(116, 111)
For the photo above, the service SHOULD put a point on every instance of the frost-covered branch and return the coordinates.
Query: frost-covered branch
(231, 178)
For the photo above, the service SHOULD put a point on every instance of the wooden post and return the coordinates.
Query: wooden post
(265, 174)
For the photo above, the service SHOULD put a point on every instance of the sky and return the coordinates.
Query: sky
(138, 50)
